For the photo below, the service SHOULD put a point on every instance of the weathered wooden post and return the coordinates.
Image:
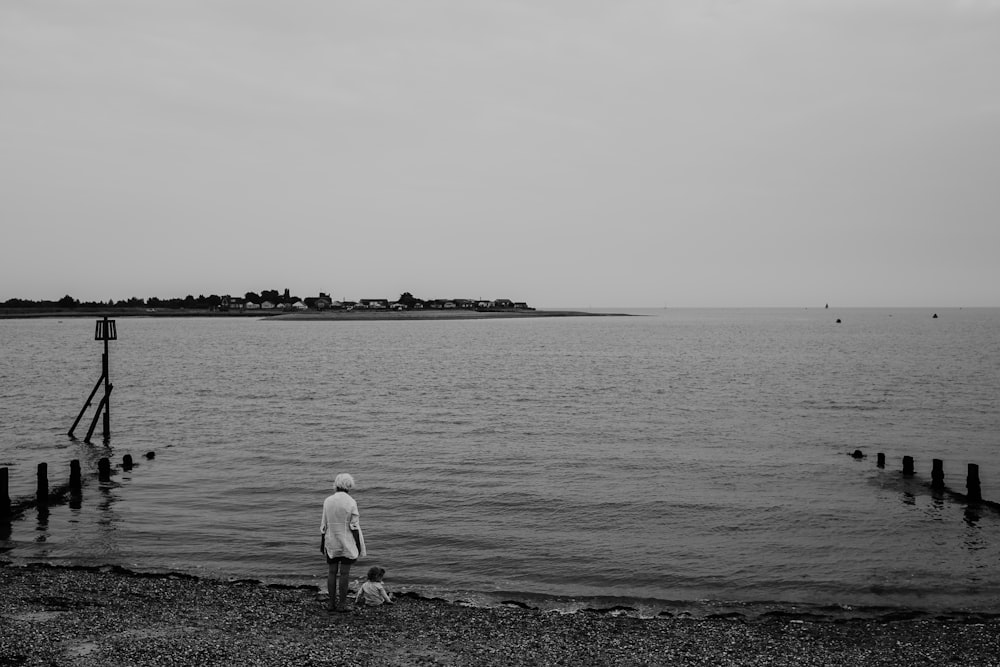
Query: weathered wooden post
(42, 494)
(104, 470)
(880, 460)
(105, 331)
(975, 494)
(937, 474)
(127, 462)
(4, 495)
(908, 466)
(75, 480)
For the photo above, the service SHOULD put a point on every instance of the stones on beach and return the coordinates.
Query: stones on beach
(617, 610)
(516, 603)
(114, 617)
(728, 616)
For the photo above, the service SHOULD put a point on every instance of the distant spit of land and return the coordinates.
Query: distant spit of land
(431, 314)
(300, 316)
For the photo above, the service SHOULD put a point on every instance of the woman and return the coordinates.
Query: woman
(342, 542)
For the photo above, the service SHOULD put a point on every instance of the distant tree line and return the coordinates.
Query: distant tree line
(200, 302)
(270, 298)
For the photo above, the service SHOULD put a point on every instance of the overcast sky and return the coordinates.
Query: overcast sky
(559, 152)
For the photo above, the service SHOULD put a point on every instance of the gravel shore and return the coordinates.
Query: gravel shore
(109, 616)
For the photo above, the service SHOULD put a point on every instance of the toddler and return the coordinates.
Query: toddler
(372, 592)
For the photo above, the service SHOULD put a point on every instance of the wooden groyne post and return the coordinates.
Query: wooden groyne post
(42, 495)
(974, 493)
(46, 495)
(937, 474)
(75, 478)
(4, 495)
(105, 331)
(104, 470)
(908, 466)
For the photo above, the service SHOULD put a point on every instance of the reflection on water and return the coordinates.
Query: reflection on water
(57, 531)
(42, 525)
(937, 506)
(107, 517)
(974, 534)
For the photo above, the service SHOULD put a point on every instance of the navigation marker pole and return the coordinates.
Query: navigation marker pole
(105, 331)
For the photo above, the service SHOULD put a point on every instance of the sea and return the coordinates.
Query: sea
(657, 461)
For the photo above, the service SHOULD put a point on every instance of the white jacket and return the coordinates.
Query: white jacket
(340, 517)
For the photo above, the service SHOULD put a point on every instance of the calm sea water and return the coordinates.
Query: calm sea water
(692, 458)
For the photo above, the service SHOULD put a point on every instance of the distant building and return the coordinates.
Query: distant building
(317, 302)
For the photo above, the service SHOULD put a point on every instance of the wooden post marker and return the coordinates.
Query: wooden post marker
(937, 474)
(972, 484)
(4, 494)
(105, 331)
(42, 495)
(127, 462)
(908, 465)
(881, 460)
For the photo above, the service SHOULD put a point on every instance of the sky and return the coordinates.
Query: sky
(621, 153)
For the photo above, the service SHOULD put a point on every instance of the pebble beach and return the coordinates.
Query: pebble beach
(110, 616)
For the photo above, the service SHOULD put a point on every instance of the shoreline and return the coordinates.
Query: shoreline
(748, 611)
(285, 316)
(75, 615)
(433, 314)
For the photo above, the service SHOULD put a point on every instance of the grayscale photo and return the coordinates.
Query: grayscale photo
(500, 333)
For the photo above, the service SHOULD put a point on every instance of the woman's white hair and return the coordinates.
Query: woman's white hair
(344, 482)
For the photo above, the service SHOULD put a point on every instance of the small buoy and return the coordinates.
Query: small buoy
(858, 454)
(838, 320)
(935, 316)
(150, 455)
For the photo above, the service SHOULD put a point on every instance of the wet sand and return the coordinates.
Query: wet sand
(109, 616)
